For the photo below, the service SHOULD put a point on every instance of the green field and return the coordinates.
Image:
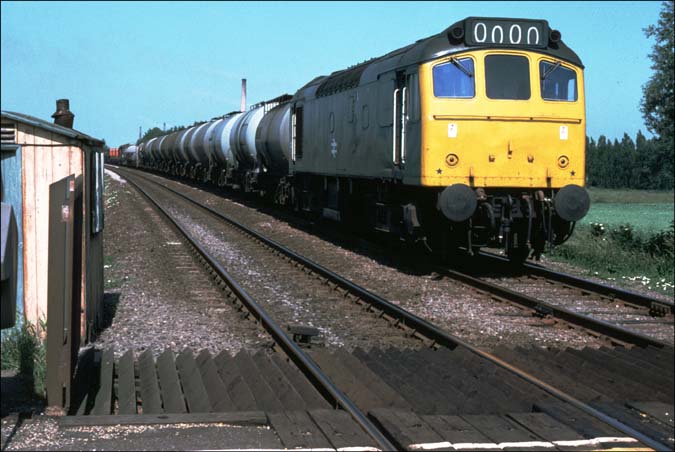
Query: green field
(645, 218)
(607, 195)
(647, 211)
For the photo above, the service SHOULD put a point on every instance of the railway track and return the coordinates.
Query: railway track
(620, 315)
(610, 331)
(539, 305)
(656, 306)
(432, 337)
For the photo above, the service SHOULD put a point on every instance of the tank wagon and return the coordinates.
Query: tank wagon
(130, 155)
(469, 138)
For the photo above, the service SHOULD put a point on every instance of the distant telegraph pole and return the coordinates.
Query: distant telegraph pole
(243, 95)
(165, 127)
(140, 129)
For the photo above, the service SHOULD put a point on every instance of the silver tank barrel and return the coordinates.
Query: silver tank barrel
(184, 142)
(168, 146)
(178, 146)
(208, 143)
(221, 140)
(273, 139)
(149, 146)
(160, 146)
(242, 139)
(196, 147)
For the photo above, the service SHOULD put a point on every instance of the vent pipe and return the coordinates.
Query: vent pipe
(243, 95)
(63, 116)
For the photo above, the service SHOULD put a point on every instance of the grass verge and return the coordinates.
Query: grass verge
(622, 255)
(25, 351)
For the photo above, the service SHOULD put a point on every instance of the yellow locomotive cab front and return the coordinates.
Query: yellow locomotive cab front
(502, 118)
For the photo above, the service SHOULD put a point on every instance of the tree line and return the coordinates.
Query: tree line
(641, 163)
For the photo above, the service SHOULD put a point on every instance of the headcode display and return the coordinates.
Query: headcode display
(506, 32)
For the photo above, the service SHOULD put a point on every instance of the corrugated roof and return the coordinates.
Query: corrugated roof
(50, 126)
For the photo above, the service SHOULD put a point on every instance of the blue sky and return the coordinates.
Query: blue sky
(130, 64)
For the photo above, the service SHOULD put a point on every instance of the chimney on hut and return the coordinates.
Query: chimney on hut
(243, 95)
(63, 116)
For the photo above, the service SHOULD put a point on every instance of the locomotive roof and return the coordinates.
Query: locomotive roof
(421, 51)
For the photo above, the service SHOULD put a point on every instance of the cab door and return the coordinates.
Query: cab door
(398, 115)
(399, 120)
(406, 117)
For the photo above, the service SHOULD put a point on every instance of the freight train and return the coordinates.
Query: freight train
(473, 137)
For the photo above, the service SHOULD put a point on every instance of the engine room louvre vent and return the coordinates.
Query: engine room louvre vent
(8, 133)
(342, 80)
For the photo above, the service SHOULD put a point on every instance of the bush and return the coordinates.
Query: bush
(597, 229)
(661, 243)
(621, 252)
(25, 351)
(623, 234)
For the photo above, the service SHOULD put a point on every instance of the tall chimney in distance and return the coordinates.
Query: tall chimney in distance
(243, 95)
(63, 116)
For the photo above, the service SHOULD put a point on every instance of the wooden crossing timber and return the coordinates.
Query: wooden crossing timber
(264, 389)
(185, 384)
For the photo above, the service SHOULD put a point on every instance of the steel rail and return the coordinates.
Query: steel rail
(308, 367)
(610, 330)
(591, 286)
(431, 331)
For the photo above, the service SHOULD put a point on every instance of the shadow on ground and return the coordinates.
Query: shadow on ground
(110, 302)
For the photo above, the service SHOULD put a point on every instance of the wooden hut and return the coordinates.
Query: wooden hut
(36, 155)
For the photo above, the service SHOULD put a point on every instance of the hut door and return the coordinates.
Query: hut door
(60, 291)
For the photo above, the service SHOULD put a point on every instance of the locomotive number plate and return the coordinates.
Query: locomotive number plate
(504, 32)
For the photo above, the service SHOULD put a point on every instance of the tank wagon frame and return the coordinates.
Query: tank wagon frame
(472, 137)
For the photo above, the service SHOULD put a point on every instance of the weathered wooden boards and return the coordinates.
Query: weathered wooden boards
(185, 383)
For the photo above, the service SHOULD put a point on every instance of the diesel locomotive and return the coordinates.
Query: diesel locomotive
(473, 137)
